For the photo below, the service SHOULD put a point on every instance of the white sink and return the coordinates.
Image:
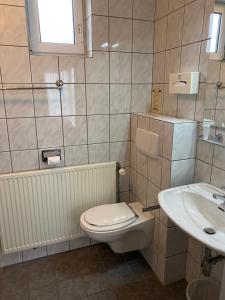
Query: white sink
(193, 209)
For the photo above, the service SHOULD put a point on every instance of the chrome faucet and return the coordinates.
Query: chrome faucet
(220, 197)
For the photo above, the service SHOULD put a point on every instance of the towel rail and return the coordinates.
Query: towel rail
(59, 85)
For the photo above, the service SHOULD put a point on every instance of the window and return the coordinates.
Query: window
(217, 33)
(56, 26)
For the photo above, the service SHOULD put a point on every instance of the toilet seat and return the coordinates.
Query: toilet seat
(108, 217)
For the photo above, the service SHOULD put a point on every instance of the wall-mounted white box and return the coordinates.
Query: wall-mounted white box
(184, 83)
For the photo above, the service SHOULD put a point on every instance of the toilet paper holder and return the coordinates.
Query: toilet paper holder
(50, 153)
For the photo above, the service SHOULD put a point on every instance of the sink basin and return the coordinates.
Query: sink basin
(193, 209)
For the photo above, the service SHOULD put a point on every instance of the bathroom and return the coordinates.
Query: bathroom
(110, 121)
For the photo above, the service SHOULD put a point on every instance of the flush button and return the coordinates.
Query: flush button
(209, 230)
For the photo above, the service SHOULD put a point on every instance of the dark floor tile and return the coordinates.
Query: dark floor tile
(86, 274)
(14, 281)
(49, 292)
(72, 289)
(104, 295)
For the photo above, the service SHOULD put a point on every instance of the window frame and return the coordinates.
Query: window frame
(220, 53)
(39, 47)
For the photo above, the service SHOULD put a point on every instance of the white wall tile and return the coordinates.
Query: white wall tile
(34, 253)
(57, 248)
(5, 163)
(182, 172)
(44, 69)
(22, 133)
(100, 32)
(25, 160)
(143, 33)
(120, 67)
(98, 153)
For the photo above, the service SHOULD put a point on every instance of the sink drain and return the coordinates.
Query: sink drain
(209, 230)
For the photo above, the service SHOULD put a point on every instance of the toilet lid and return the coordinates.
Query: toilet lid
(109, 214)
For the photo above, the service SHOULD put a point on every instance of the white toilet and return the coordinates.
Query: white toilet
(123, 226)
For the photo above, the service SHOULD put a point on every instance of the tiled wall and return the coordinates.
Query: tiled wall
(181, 33)
(174, 167)
(90, 119)
(210, 159)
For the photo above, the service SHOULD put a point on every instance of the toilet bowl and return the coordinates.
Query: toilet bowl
(123, 226)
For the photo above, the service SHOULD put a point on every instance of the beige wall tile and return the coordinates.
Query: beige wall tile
(142, 164)
(218, 157)
(155, 171)
(213, 71)
(13, 29)
(161, 8)
(193, 22)
(15, 64)
(169, 102)
(143, 33)
(209, 7)
(192, 269)
(205, 151)
(190, 56)
(186, 106)
(122, 8)
(175, 4)
(159, 67)
(144, 9)
(160, 35)
(141, 97)
(172, 62)
(100, 7)
(174, 29)
(195, 249)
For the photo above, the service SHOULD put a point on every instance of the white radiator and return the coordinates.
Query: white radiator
(44, 207)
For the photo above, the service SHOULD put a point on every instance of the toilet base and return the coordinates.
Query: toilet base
(135, 240)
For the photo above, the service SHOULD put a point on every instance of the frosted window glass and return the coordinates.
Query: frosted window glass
(56, 21)
(215, 23)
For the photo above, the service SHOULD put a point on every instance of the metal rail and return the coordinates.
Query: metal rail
(59, 86)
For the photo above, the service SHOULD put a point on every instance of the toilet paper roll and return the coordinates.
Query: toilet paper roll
(53, 160)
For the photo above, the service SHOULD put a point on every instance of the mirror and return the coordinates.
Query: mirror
(217, 33)
(214, 87)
